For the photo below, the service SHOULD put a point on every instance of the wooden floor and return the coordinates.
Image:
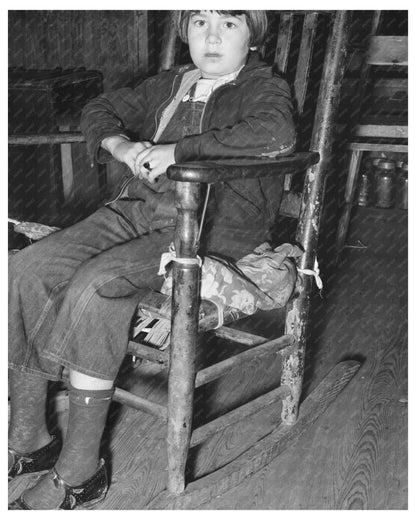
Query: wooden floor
(355, 455)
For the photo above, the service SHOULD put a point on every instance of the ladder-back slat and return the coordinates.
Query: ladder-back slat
(141, 44)
(375, 23)
(170, 42)
(388, 50)
(283, 41)
(304, 59)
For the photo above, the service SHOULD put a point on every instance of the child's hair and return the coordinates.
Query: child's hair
(256, 22)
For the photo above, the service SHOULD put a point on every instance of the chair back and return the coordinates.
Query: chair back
(310, 51)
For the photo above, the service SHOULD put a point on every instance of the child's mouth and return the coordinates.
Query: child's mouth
(212, 55)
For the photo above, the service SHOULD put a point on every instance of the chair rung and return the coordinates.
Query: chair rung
(378, 147)
(139, 403)
(239, 336)
(219, 369)
(202, 433)
(150, 354)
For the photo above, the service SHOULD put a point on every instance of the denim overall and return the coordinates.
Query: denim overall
(72, 295)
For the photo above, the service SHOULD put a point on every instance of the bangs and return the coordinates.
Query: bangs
(256, 22)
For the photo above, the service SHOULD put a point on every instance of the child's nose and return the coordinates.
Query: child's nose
(213, 35)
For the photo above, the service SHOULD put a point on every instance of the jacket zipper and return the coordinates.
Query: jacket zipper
(121, 190)
(164, 105)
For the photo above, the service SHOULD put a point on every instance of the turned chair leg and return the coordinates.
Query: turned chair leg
(181, 377)
(353, 168)
(185, 306)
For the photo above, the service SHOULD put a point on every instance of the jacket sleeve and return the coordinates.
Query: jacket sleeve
(265, 127)
(116, 113)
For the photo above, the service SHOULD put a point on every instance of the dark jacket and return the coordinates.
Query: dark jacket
(251, 116)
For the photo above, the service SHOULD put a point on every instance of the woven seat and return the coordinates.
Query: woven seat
(157, 307)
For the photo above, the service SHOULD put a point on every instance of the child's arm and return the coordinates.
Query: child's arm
(264, 126)
(126, 151)
(119, 113)
(110, 115)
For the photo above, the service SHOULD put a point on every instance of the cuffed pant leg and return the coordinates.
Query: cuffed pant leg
(91, 331)
(38, 278)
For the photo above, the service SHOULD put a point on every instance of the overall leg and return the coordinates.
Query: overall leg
(90, 337)
(91, 332)
(38, 277)
(31, 447)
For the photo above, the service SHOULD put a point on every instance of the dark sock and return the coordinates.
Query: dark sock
(79, 458)
(27, 427)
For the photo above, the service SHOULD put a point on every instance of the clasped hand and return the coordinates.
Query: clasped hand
(144, 159)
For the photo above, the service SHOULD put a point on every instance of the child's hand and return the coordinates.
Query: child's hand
(155, 160)
(125, 151)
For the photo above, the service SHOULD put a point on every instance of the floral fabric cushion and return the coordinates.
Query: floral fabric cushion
(264, 279)
(225, 285)
(273, 271)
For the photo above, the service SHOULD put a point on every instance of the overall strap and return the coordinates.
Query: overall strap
(188, 79)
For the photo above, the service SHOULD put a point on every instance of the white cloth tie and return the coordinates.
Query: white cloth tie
(170, 256)
(314, 272)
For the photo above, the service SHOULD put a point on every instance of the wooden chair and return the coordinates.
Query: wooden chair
(191, 317)
(374, 133)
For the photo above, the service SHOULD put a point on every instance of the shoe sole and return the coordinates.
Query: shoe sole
(91, 503)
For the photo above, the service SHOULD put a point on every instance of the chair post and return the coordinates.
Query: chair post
(350, 187)
(184, 329)
(311, 209)
(167, 55)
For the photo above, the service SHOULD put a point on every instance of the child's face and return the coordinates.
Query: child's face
(218, 43)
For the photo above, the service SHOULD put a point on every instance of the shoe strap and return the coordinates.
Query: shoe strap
(59, 481)
(19, 459)
(71, 492)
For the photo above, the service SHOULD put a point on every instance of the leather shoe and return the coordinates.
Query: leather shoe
(83, 496)
(35, 462)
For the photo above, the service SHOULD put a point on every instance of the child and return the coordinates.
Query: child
(74, 293)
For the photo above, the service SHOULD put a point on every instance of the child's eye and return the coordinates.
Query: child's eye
(199, 23)
(229, 25)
